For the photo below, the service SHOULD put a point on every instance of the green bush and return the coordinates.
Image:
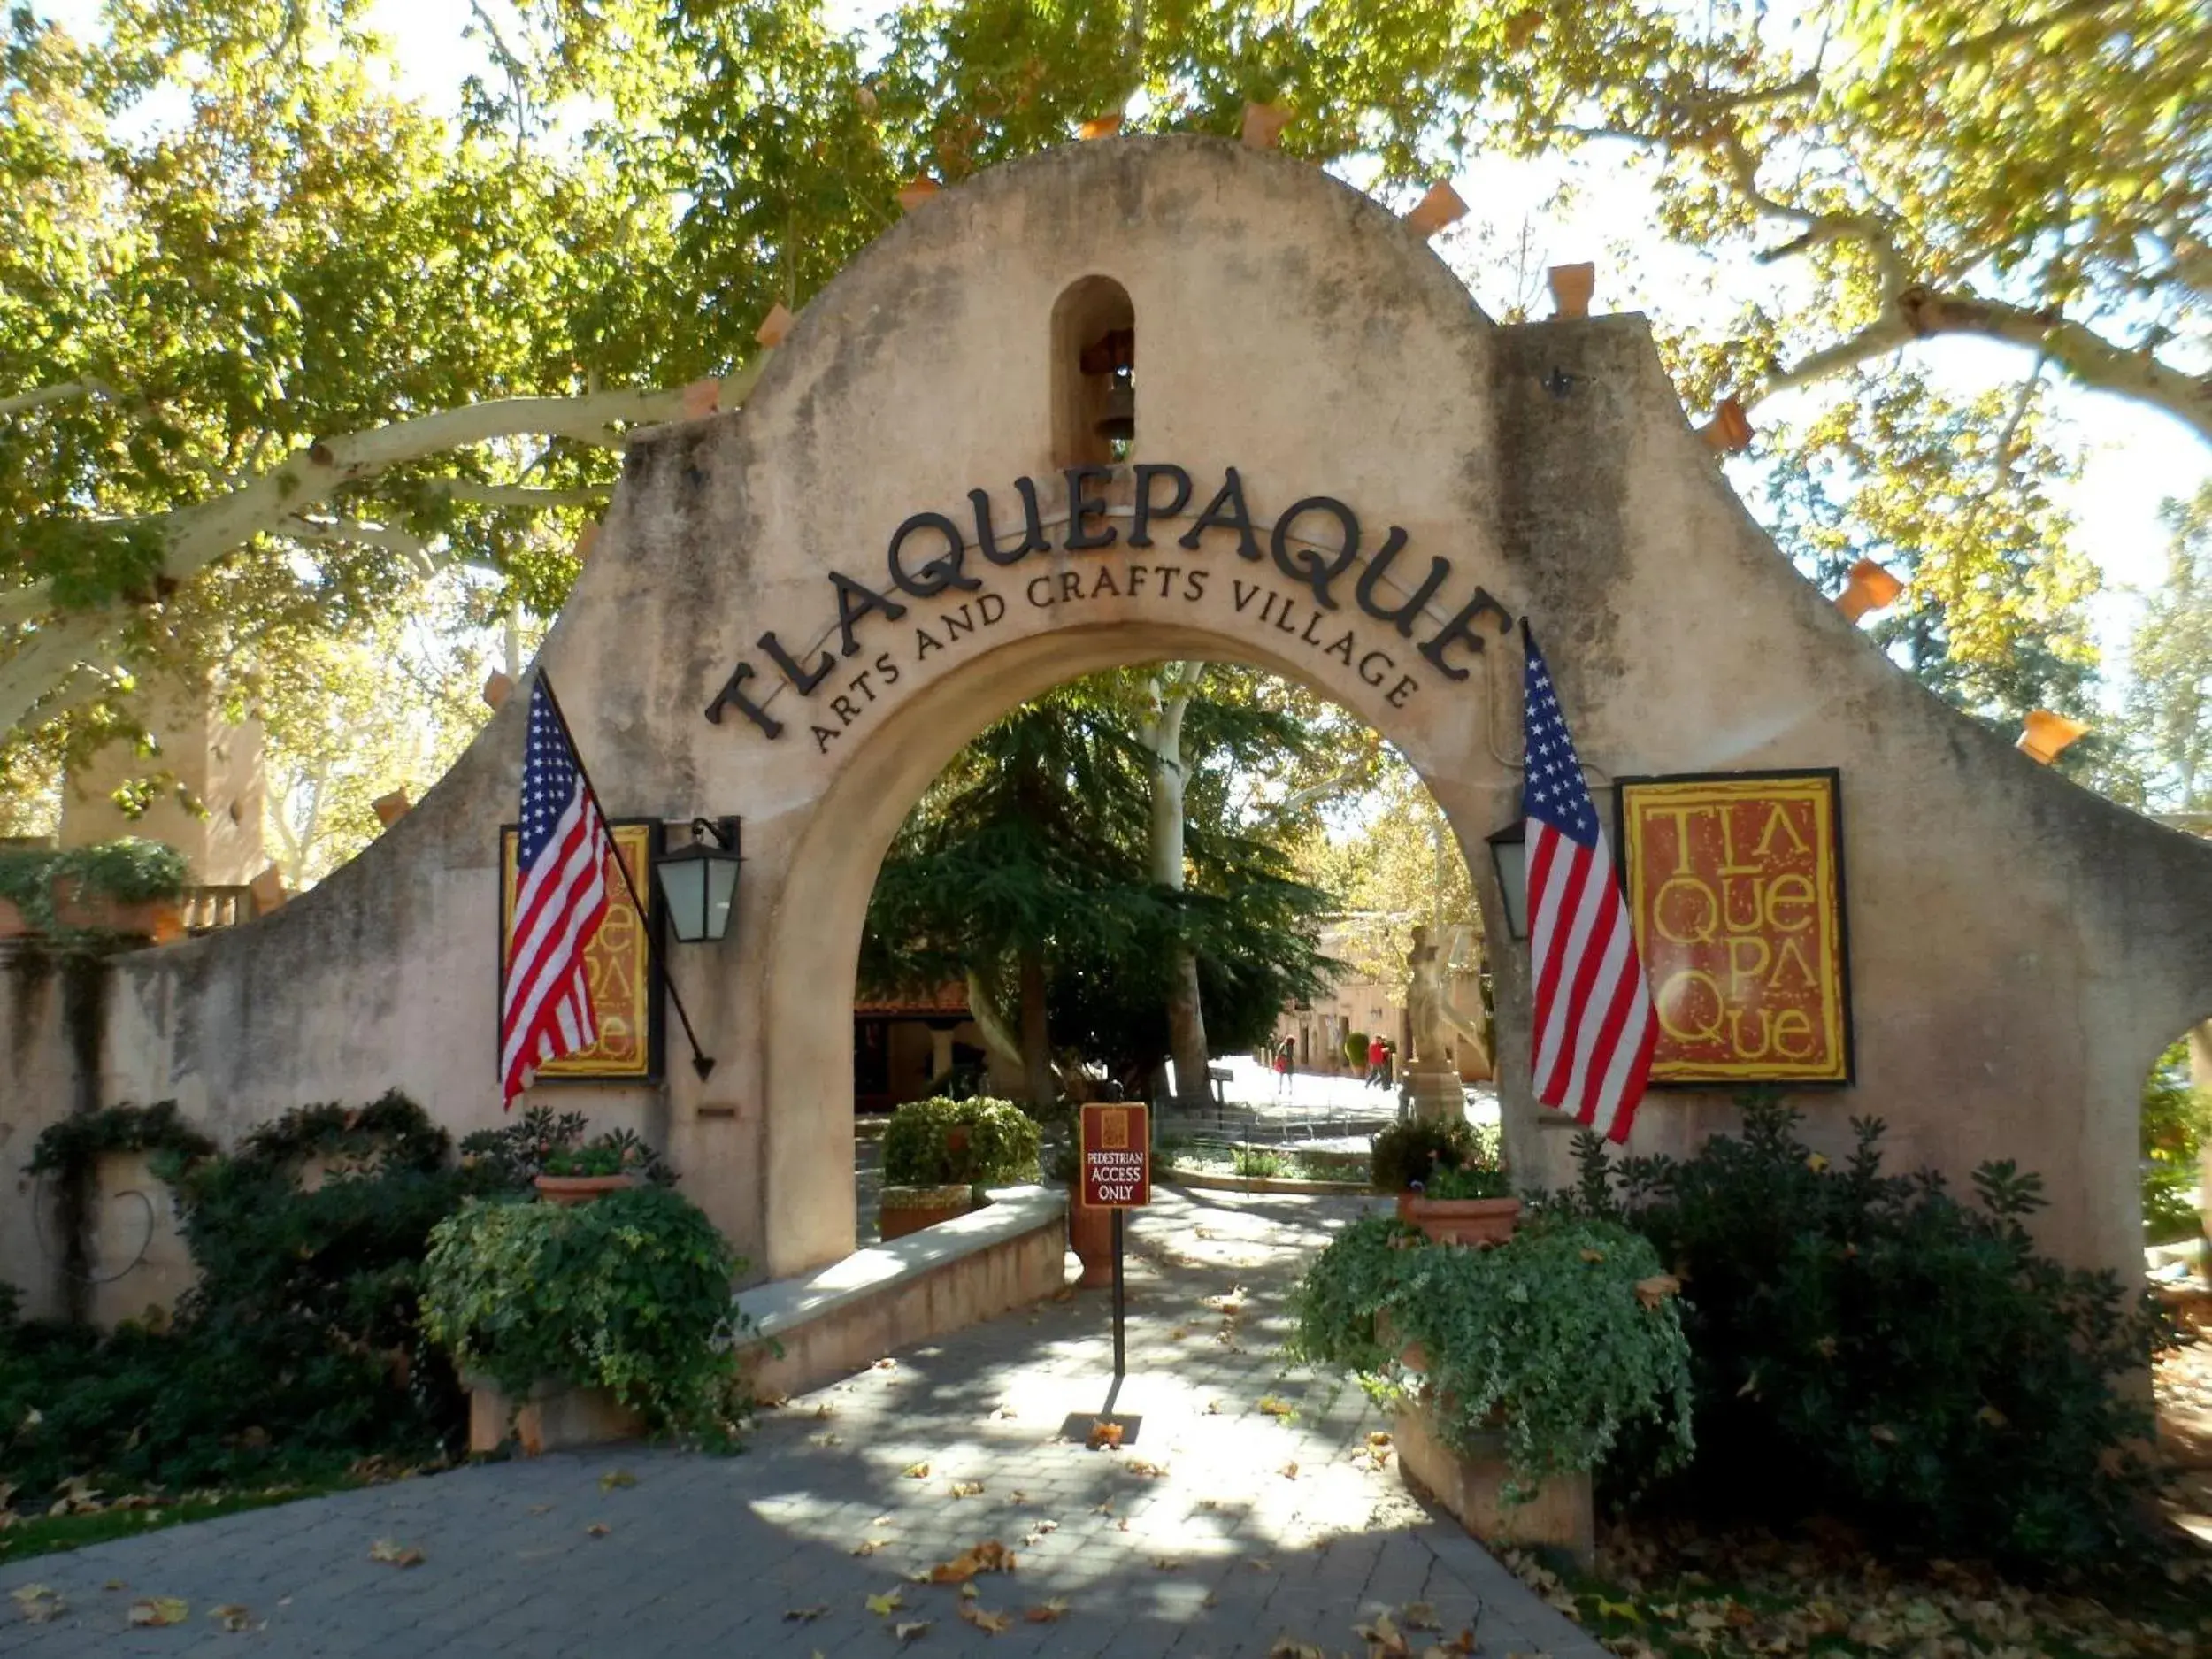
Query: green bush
(981, 1142)
(630, 1293)
(296, 1355)
(1355, 1051)
(1868, 1346)
(129, 871)
(2176, 1120)
(1558, 1340)
(1256, 1163)
(1411, 1150)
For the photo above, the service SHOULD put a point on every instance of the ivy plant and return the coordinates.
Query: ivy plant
(128, 871)
(1559, 1347)
(630, 1293)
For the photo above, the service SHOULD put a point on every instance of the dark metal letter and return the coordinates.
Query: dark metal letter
(803, 681)
(751, 710)
(1310, 567)
(1456, 629)
(1033, 541)
(1140, 534)
(941, 572)
(1378, 570)
(1231, 494)
(1081, 507)
(855, 600)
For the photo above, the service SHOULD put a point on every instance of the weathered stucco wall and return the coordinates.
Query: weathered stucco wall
(2020, 949)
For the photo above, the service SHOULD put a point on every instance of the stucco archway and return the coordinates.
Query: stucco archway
(816, 932)
(2020, 949)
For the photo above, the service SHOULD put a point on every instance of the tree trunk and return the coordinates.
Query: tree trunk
(1163, 737)
(1036, 1039)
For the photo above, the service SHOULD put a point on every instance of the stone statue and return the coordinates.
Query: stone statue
(1424, 1002)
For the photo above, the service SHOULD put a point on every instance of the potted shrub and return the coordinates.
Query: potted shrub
(1514, 1372)
(1090, 1230)
(129, 887)
(1448, 1178)
(576, 1175)
(627, 1299)
(939, 1154)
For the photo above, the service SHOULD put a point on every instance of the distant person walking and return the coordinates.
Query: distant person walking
(1283, 1051)
(1378, 1056)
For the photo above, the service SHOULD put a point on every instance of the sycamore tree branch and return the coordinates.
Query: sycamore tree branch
(196, 537)
(469, 493)
(2088, 356)
(66, 391)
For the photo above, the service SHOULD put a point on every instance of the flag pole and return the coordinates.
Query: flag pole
(701, 1062)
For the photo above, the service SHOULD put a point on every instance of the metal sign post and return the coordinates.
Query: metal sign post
(1118, 1175)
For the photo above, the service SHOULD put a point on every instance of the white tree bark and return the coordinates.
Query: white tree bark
(1163, 737)
(277, 500)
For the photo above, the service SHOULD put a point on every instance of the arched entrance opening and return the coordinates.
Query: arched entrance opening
(808, 1035)
(1132, 886)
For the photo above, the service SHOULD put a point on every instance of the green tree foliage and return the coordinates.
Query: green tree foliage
(2177, 1120)
(273, 339)
(2170, 703)
(1032, 846)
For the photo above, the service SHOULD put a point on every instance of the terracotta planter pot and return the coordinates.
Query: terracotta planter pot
(160, 921)
(580, 1189)
(909, 1208)
(1461, 1220)
(1091, 1236)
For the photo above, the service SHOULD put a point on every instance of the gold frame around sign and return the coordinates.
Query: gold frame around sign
(619, 958)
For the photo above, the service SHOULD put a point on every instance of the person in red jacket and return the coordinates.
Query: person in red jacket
(1376, 1052)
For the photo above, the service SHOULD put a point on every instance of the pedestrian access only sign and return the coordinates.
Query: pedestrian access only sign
(1117, 1157)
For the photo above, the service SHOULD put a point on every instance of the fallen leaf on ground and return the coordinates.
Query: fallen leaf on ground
(990, 1555)
(38, 1603)
(1004, 1411)
(1106, 1507)
(883, 1606)
(887, 1365)
(770, 1401)
(989, 1624)
(541, 1508)
(1653, 1291)
(967, 1489)
(825, 1438)
(1018, 1497)
(1105, 1436)
(909, 1632)
(1290, 1472)
(158, 1610)
(1275, 1408)
(968, 1591)
(1047, 1612)
(1176, 1334)
(232, 1616)
(827, 1409)
(1166, 1563)
(615, 1477)
(805, 1615)
(396, 1554)
(115, 1584)
(1377, 1437)
(1383, 1639)
(869, 1545)
(916, 1472)
(1289, 1647)
(597, 1529)
(1419, 1616)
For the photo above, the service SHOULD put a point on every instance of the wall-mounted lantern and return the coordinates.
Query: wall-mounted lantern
(699, 882)
(1509, 851)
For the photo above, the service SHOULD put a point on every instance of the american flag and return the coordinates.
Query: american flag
(560, 899)
(1594, 1021)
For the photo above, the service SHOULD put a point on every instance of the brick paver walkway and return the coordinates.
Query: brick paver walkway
(1224, 1528)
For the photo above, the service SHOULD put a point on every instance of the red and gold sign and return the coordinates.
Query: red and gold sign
(1735, 885)
(618, 959)
(1117, 1144)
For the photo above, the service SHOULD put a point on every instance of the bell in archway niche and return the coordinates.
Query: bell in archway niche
(1118, 422)
(1115, 353)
